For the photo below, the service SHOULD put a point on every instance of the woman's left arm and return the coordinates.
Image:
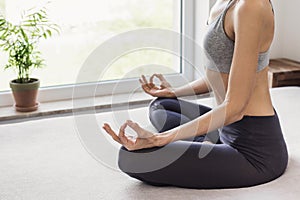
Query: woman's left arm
(248, 22)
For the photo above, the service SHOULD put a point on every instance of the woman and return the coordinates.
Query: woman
(251, 149)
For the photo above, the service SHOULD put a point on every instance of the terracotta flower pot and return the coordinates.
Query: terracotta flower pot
(25, 95)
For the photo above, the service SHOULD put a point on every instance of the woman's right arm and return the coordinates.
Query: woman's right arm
(199, 86)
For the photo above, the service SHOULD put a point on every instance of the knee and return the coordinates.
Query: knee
(129, 161)
(161, 103)
(157, 104)
(135, 162)
(125, 164)
(123, 159)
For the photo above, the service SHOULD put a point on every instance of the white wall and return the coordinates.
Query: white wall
(287, 41)
(276, 50)
(201, 16)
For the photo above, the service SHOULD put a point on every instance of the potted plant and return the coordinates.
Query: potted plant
(20, 41)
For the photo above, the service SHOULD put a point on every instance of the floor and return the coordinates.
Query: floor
(70, 158)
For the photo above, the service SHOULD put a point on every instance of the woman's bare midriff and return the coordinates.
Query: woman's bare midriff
(259, 104)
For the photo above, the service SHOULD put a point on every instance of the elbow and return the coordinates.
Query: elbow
(237, 116)
(234, 111)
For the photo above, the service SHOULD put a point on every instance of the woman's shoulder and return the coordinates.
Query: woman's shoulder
(253, 9)
(253, 6)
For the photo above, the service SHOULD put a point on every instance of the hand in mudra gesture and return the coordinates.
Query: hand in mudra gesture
(144, 139)
(164, 90)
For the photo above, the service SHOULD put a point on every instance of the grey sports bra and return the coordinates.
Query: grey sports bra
(219, 47)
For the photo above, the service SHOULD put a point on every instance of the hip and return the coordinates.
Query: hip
(260, 140)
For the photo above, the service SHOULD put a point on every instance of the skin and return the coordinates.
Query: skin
(250, 23)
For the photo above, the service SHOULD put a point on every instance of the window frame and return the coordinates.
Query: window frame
(65, 92)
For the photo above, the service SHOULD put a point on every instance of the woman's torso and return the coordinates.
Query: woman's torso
(260, 102)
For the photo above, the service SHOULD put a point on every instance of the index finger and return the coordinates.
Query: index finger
(160, 77)
(152, 77)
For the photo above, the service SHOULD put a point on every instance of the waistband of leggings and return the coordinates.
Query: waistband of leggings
(262, 116)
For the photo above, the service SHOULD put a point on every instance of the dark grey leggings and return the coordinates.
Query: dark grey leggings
(249, 152)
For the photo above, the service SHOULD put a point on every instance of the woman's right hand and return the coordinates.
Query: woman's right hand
(164, 90)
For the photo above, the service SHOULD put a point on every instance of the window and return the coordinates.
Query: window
(87, 24)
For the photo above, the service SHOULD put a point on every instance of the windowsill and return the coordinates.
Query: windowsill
(66, 107)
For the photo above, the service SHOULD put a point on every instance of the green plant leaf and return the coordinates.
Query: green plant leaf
(49, 32)
(24, 35)
(20, 41)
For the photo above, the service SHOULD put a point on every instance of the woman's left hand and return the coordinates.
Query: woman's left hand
(145, 139)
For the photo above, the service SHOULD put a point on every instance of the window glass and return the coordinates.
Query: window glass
(87, 24)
